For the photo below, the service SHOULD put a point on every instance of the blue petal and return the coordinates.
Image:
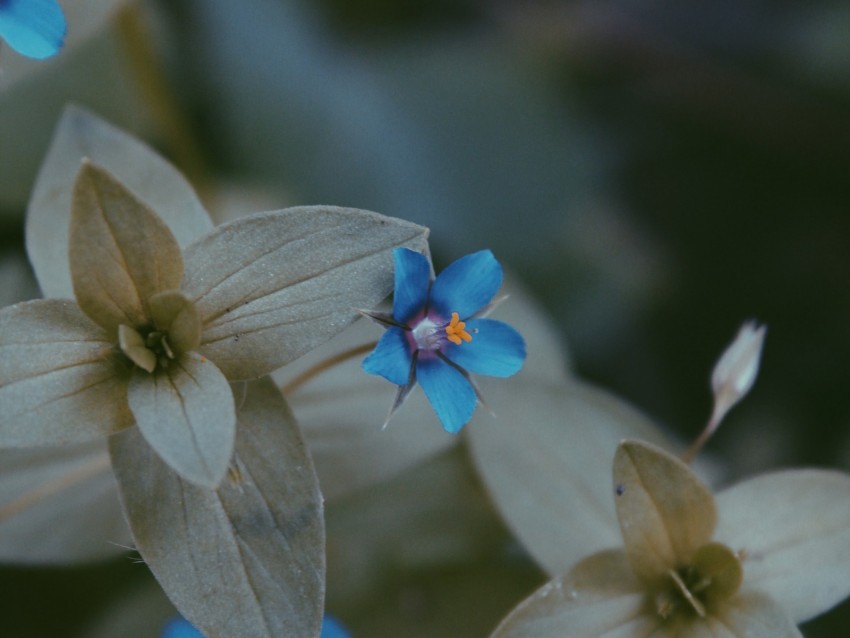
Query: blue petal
(450, 393)
(412, 279)
(467, 285)
(179, 627)
(496, 349)
(34, 28)
(332, 628)
(391, 358)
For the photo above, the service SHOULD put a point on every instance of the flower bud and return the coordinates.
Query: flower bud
(736, 370)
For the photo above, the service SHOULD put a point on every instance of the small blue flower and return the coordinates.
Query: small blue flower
(34, 28)
(434, 336)
(332, 628)
(179, 627)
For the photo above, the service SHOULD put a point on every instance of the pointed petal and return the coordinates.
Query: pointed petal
(246, 559)
(186, 413)
(34, 28)
(467, 285)
(272, 286)
(154, 181)
(547, 455)
(412, 281)
(59, 505)
(391, 358)
(121, 253)
(794, 527)
(60, 379)
(496, 349)
(449, 392)
(173, 313)
(598, 597)
(666, 513)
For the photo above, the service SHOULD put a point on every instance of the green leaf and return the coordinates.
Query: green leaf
(597, 598)
(666, 512)
(185, 412)
(121, 253)
(546, 459)
(272, 286)
(246, 559)
(794, 530)
(154, 181)
(59, 506)
(61, 380)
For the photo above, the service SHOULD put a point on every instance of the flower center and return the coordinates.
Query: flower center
(147, 348)
(713, 576)
(431, 335)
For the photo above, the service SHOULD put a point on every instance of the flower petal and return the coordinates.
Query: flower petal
(666, 513)
(79, 135)
(466, 285)
(496, 349)
(59, 505)
(450, 393)
(121, 253)
(186, 413)
(751, 614)
(391, 358)
(412, 281)
(270, 287)
(598, 597)
(60, 381)
(34, 28)
(246, 559)
(794, 527)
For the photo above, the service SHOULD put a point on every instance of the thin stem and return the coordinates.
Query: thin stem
(690, 454)
(323, 365)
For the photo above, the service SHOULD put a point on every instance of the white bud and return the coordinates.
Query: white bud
(737, 368)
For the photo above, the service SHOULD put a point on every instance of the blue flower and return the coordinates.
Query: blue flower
(34, 28)
(179, 627)
(435, 338)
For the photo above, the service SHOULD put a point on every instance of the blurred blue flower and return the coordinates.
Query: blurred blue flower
(434, 337)
(34, 28)
(332, 628)
(179, 627)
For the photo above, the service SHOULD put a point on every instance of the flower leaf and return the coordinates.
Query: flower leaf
(666, 513)
(60, 381)
(121, 253)
(598, 597)
(341, 411)
(185, 412)
(794, 529)
(59, 505)
(154, 181)
(246, 559)
(272, 286)
(546, 459)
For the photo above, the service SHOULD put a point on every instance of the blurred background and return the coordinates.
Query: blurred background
(654, 173)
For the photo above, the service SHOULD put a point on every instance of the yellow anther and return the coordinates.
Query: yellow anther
(456, 330)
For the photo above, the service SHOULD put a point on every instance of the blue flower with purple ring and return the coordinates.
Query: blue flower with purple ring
(435, 335)
(34, 28)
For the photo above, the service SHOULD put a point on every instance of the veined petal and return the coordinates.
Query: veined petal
(391, 358)
(597, 598)
(450, 393)
(187, 414)
(121, 253)
(412, 280)
(666, 513)
(496, 349)
(271, 286)
(467, 285)
(60, 381)
(34, 28)
(794, 529)
(751, 614)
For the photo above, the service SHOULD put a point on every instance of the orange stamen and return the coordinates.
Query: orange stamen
(456, 330)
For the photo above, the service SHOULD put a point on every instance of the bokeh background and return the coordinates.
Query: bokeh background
(654, 173)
